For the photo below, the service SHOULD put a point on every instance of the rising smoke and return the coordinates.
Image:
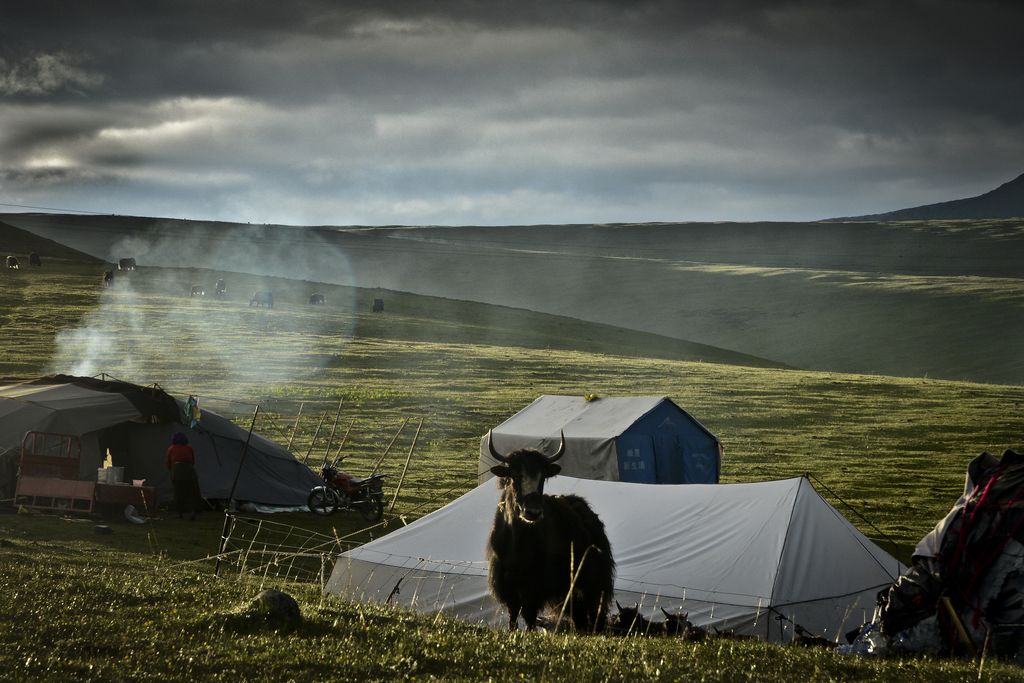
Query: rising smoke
(148, 328)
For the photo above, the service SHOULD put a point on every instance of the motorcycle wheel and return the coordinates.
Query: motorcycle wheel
(372, 510)
(322, 501)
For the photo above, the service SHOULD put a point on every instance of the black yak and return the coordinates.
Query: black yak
(317, 299)
(547, 551)
(126, 264)
(629, 621)
(12, 263)
(34, 260)
(678, 624)
(108, 278)
(220, 288)
(262, 298)
(197, 290)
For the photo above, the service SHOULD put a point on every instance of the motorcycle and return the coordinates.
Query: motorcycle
(341, 491)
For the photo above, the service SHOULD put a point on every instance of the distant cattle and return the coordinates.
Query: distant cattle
(262, 298)
(221, 288)
(678, 624)
(628, 621)
(108, 278)
(546, 551)
(126, 264)
(378, 305)
(12, 263)
(34, 260)
(197, 290)
(316, 299)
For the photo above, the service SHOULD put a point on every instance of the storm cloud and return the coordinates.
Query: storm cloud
(506, 113)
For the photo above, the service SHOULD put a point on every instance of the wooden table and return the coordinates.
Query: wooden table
(142, 497)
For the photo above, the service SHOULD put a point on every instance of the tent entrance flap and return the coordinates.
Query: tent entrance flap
(637, 463)
(669, 457)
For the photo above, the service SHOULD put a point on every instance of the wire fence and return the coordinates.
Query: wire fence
(263, 548)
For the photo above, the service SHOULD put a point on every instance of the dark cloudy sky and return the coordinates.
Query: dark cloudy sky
(467, 112)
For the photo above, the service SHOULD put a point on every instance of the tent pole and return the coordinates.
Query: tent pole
(315, 434)
(296, 425)
(406, 468)
(231, 496)
(341, 445)
(387, 450)
(334, 428)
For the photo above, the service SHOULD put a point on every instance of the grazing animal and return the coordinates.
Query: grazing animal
(731, 634)
(546, 551)
(34, 260)
(126, 264)
(316, 299)
(679, 625)
(378, 305)
(12, 263)
(262, 298)
(805, 638)
(220, 288)
(629, 621)
(108, 278)
(197, 290)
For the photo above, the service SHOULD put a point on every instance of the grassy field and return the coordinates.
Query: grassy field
(142, 603)
(939, 299)
(86, 607)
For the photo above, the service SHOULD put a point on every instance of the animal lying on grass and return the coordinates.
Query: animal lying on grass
(547, 551)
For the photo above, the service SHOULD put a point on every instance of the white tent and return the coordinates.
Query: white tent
(136, 423)
(754, 558)
(642, 439)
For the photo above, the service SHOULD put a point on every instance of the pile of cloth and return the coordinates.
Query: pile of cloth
(964, 591)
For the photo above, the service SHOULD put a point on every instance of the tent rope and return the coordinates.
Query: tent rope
(853, 509)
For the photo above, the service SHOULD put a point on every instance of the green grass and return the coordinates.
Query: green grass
(142, 603)
(921, 298)
(81, 606)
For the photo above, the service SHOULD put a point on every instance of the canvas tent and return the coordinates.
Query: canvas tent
(757, 558)
(642, 439)
(136, 423)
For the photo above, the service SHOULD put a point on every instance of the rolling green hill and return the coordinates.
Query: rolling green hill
(465, 368)
(20, 243)
(141, 602)
(929, 299)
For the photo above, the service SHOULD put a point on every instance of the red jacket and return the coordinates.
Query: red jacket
(180, 453)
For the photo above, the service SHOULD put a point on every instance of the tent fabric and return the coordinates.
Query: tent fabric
(646, 439)
(755, 558)
(152, 402)
(136, 423)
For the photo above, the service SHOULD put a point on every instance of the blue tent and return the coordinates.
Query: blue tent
(641, 439)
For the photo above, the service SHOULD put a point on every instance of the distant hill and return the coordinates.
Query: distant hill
(1006, 201)
(937, 298)
(20, 243)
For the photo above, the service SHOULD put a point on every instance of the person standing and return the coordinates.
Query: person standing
(181, 461)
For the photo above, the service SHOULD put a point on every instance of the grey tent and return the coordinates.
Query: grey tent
(640, 439)
(758, 558)
(135, 424)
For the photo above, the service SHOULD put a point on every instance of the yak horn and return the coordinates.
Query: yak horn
(561, 449)
(494, 454)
